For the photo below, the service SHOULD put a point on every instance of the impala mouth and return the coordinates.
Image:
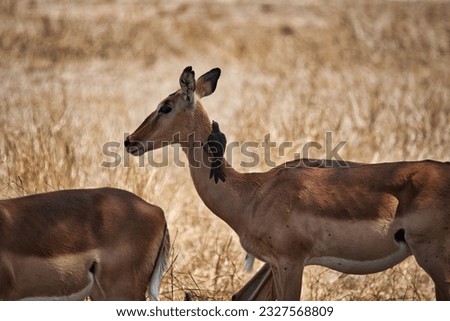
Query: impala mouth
(135, 148)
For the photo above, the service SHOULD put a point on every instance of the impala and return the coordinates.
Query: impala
(106, 243)
(357, 220)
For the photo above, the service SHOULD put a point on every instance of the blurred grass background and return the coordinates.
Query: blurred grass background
(77, 74)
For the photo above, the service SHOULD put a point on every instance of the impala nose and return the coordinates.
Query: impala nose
(127, 141)
(133, 147)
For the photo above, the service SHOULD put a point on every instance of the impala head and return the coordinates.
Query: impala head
(176, 116)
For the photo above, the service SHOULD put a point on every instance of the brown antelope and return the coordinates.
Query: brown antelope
(106, 243)
(355, 220)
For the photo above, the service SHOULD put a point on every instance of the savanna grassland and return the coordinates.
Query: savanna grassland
(76, 75)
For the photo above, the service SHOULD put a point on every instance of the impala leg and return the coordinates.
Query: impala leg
(6, 281)
(258, 288)
(287, 280)
(434, 257)
(110, 283)
(440, 274)
(442, 291)
(121, 287)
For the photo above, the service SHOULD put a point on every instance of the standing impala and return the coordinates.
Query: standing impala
(356, 220)
(106, 243)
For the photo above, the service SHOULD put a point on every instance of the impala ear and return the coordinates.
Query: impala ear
(207, 83)
(187, 83)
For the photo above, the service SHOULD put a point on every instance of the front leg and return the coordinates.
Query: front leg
(288, 279)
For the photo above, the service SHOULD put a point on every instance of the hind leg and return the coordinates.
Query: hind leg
(439, 271)
(443, 291)
(434, 257)
(118, 283)
(440, 274)
(258, 288)
(119, 288)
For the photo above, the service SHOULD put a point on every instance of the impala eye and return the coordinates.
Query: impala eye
(165, 109)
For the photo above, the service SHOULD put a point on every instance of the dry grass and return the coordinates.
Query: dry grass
(76, 75)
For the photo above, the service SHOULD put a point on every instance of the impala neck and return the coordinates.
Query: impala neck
(228, 199)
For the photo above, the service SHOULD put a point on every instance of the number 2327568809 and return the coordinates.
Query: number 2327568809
(294, 311)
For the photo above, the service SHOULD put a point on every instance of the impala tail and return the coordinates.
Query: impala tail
(160, 266)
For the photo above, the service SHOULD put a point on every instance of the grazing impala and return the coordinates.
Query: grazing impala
(358, 220)
(106, 243)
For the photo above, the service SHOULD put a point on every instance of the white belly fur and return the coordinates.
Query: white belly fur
(362, 267)
(77, 296)
(35, 277)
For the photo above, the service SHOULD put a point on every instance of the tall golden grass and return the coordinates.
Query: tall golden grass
(78, 74)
